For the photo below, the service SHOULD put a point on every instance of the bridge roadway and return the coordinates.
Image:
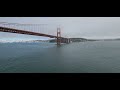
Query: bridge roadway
(11, 30)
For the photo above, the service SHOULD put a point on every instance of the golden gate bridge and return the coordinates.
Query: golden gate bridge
(32, 29)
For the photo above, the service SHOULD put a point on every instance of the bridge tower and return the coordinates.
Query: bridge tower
(58, 36)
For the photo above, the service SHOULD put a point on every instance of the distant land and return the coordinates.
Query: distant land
(77, 40)
(84, 39)
(54, 40)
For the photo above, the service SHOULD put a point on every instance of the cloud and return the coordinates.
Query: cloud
(90, 27)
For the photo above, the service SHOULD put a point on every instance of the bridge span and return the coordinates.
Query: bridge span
(59, 39)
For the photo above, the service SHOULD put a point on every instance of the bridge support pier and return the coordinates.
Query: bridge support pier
(67, 40)
(58, 41)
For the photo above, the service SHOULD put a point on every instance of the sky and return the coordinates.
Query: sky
(73, 27)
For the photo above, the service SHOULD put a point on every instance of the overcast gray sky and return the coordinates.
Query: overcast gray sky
(85, 27)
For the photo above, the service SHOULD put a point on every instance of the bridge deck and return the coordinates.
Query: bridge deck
(11, 30)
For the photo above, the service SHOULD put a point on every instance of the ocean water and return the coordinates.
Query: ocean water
(80, 57)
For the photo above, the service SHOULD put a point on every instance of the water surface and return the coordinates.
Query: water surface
(81, 57)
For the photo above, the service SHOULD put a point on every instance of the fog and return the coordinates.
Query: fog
(84, 27)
